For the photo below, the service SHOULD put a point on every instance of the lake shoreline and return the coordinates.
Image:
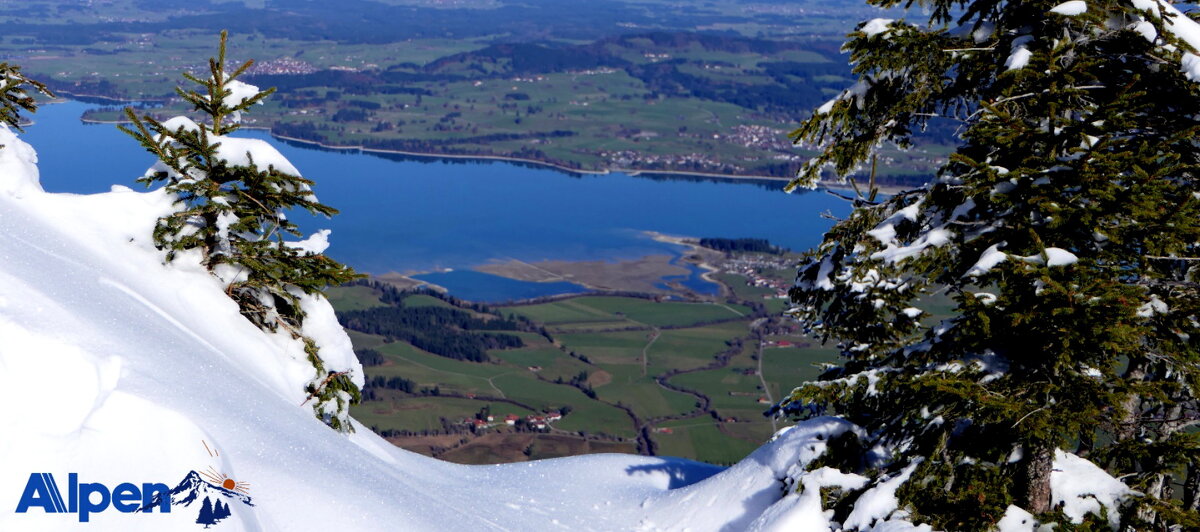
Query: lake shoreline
(406, 221)
(643, 275)
(481, 157)
(633, 172)
(702, 253)
(634, 275)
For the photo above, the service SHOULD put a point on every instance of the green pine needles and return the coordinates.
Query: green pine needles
(15, 97)
(1066, 229)
(232, 212)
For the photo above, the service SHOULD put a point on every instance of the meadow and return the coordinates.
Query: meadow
(605, 363)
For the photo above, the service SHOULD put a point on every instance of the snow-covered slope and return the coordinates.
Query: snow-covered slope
(121, 369)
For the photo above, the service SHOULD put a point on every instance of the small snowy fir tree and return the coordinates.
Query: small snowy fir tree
(1066, 229)
(234, 194)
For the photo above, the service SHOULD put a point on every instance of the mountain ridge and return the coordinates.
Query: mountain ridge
(192, 487)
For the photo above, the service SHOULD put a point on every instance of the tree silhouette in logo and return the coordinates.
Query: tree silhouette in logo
(207, 517)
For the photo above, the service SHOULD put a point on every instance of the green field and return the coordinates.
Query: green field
(702, 439)
(365, 341)
(619, 365)
(425, 413)
(786, 368)
(620, 354)
(504, 380)
(603, 312)
(692, 348)
(428, 371)
(623, 347)
(421, 300)
(551, 360)
(745, 389)
(744, 291)
(643, 395)
(354, 298)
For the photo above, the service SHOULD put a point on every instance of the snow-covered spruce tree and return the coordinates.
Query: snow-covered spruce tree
(1066, 228)
(234, 194)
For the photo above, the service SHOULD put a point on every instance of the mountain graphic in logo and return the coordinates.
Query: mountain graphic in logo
(214, 500)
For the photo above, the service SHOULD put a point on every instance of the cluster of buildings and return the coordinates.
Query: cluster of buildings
(539, 422)
(760, 138)
(771, 9)
(697, 161)
(750, 266)
(753, 278)
(594, 71)
(283, 65)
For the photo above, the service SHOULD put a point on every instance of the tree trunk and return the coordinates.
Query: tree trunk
(212, 244)
(1154, 490)
(1127, 422)
(1191, 487)
(1034, 479)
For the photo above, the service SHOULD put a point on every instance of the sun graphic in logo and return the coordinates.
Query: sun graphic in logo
(221, 479)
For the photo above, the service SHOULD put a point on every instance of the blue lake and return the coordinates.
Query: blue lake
(409, 215)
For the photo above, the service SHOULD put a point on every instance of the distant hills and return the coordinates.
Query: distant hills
(49, 22)
(788, 87)
(607, 85)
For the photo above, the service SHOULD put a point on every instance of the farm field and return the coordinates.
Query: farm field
(685, 372)
(354, 298)
(459, 383)
(747, 292)
(703, 439)
(606, 312)
(786, 367)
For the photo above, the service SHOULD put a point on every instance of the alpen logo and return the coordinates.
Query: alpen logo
(42, 491)
(215, 492)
